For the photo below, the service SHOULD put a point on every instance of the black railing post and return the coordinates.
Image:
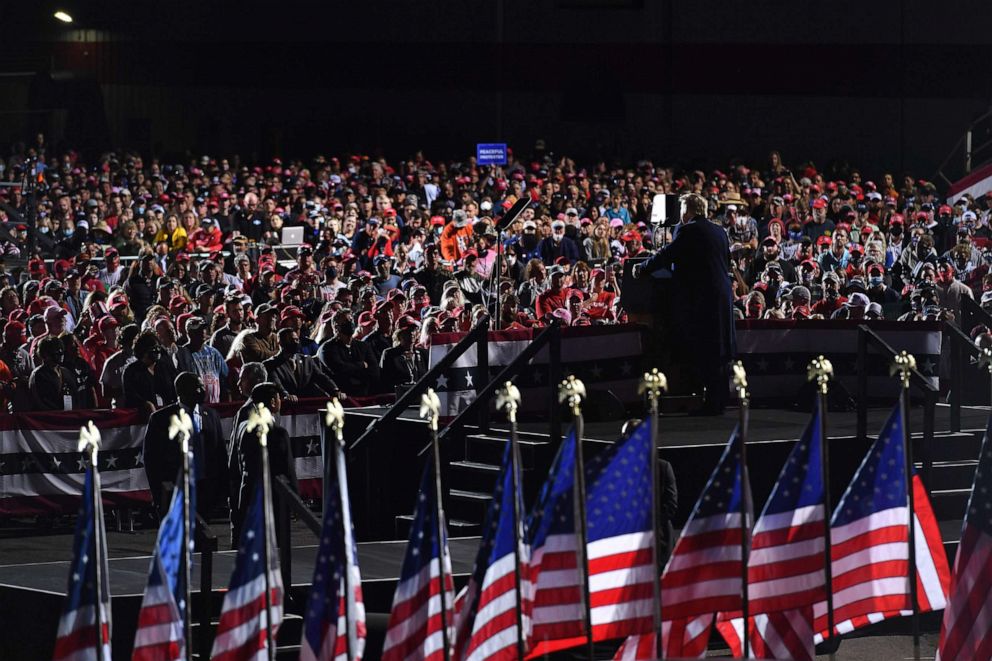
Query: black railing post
(862, 383)
(957, 380)
(926, 454)
(208, 544)
(285, 547)
(554, 379)
(482, 374)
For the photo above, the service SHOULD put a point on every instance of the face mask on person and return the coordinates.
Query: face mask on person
(331, 273)
(43, 230)
(795, 236)
(876, 281)
(347, 328)
(291, 347)
(68, 233)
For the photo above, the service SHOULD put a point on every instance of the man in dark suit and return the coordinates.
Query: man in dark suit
(246, 444)
(298, 374)
(163, 455)
(703, 305)
(668, 501)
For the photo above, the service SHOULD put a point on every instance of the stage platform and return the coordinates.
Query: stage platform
(766, 424)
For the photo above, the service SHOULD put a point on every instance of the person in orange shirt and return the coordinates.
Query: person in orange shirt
(456, 237)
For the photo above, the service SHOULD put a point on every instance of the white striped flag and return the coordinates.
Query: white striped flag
(334, 622)
(619, 549)
(967, 629)
(242, 632)
(870, 534)
(682, 639)
(785, 566)
(79, 636)
(486, 619)
(161, 632)
(704, 574)
(415, 626)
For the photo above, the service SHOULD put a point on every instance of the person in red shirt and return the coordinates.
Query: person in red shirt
(832, 300)
(102, 342)
(207, 237)
(599, 304)
(555, 297)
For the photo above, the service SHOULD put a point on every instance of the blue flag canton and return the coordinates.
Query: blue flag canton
(502, 521)
(82, 573)
(880, 482)
(554, 512)
(170, 542)
(980, 503)
(249, 563)
(724, 491)
(800, 484)
(618, 488)
(423, 546)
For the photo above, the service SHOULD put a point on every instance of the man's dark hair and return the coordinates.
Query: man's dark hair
(263, 393)
(50, 345)
(127, 336)
(145, 342)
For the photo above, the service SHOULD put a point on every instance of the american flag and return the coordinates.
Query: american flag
(785, 566)
(160, 635)
(967, 629)
(241, 633)
(486, 615)
(335, 621)
(870, 534)
(415, 628)
(619, 529)
(704, 573)
(78, 637)
(682, 639)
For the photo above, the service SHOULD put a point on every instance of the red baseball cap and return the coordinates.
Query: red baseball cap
(819, 203)
(290, 312)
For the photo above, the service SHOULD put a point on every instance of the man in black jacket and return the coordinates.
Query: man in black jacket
(298, 374)
(147, 383)
(52, 385)
(350, 363)
(163, 455)
(703, 304)
(249, 452)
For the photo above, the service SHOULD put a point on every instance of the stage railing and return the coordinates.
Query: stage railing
(961, 345)
(478, 338)
(867, 338)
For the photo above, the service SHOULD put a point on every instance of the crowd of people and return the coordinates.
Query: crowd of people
(120, 272)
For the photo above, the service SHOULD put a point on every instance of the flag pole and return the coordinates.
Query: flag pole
(740, 383)
(572, 391)
(903, 365)
(985, 360)
(181, 428)
(335, 420)
(820, 370)
(509, 399)
(430, 408)
(261, 419)
(653, 384)
(89, 442)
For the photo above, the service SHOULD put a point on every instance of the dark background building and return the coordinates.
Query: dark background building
(888, 84)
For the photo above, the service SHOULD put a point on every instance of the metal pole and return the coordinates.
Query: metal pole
(97, 554)
(335, 420)
(554, 362)
(261, 419)
(820, 370)
(653, 383)
(571, 392)
(430, 408)
(862, 383)
(509, 398)
(740, 381)
(904, 364)
(187, 550)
